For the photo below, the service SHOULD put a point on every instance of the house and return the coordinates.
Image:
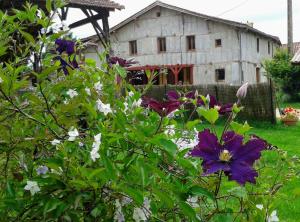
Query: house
(191, 48)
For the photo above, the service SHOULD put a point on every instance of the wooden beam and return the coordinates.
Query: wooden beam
(96, 27)
(85, 21)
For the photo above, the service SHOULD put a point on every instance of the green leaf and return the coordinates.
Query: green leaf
(135, 194)
(121, 71)
(188, 211)
(110, 169)
(164, 197)
(200, 191)
(90, 62)
(210, 115)
(168, 145)
(239, 128)
(48, 5)
(28, 36)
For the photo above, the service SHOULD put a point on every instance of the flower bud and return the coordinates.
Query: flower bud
(242, 92)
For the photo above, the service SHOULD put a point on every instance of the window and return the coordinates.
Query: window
(218, 42)
(158, 14)
(190, 40)
(257, 75)
(257, 44)
(133, 47)
(161, 45)
(269, 48)
(220, 75)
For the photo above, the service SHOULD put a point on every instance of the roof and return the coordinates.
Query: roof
(97, 3)
(199, 15)
(296, 58)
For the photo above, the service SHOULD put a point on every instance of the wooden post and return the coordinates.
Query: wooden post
(290, 27)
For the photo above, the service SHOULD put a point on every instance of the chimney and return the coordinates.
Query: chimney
(251, 24)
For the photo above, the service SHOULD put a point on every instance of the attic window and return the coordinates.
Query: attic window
(218, 42)
(158, 14)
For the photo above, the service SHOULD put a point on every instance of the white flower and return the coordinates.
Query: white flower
(259, 206)
(95, 148)
(80, 144)
(72, 93)
(66, 102)
(94, 155)
(55, 142)
(73, 133)
(88, 91)
(98, 87)
(170, 131)
(172, 114)
(125, 107)
(142, 214)
(273, 217)
(193, 201)
(39, 14)
(33, 187)
(42, 170)
(65, 27)
(119, 216)
(139, 215)
(1, 80)
(103, 108)
(184, 142)
(131, 94)
(136, 103)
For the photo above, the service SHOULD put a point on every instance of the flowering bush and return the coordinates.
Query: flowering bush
(78, 147)
(290, 114)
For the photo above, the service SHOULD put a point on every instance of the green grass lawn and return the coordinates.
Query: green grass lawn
(288, 139)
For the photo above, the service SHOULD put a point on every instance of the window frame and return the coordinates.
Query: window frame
(191, 43)
(161, 44)
(133, 47)
(217, 75)
(218, 43)
(257, 45)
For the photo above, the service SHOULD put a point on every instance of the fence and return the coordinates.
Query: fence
(259, 103)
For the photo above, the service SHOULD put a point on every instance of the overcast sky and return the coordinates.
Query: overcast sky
(269, 16)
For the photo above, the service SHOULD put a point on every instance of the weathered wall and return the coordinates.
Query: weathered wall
(259, 103)
(175, 26)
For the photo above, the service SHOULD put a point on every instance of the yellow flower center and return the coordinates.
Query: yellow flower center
(225, 156)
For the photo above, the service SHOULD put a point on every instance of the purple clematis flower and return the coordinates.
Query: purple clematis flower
(162, 108)
(231, 156)
(223, 109)
(122, 62)
(65, 46)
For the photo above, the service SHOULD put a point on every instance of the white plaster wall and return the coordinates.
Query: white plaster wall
(206, 58)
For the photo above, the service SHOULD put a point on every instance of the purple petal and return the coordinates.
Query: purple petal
(250, 152)
(212, 166)
(190, 95)
(208, 147)
(232, 142)
(227, 108)
(242, 173)
(173, 96)
(212, 101)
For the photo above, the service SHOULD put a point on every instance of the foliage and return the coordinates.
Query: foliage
(79, 147)
(285, 75)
